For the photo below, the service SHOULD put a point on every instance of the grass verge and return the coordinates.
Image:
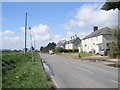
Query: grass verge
(18, 71)
(86, 54)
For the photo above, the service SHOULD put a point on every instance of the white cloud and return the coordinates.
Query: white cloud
(41, 29)
(22, 29)
(70, 34)
(7, 32)
(80, 35)
(73, 23)
(41, 32)
(91, 14)
(57, 37)
(83, 34)
(12, 39)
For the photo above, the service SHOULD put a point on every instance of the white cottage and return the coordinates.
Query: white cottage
(61, 43)
(96, 40)
(73, 43)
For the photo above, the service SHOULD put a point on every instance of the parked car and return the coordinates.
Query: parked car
(51, 52)
(104, 52)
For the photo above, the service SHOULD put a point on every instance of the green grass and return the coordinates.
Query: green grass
(20, 72)
(82, 54)
(86, 54)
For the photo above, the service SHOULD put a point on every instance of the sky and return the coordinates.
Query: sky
(51, 21)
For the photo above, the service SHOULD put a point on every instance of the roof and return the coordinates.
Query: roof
(61, 43)
(72, 41)
(102, 31)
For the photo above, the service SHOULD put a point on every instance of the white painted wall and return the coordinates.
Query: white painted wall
(73, 45)
(96, 43)
(91, 44)
(70, 46)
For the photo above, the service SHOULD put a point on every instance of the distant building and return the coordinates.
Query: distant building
(61, 43)
(96, 40)
(74, 42)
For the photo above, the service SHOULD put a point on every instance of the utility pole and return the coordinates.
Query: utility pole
(25, 32)
(32, 49)
(34, 44)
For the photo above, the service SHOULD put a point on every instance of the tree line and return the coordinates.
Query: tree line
(50, 46)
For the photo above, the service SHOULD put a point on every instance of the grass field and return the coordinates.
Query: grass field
(18, 71)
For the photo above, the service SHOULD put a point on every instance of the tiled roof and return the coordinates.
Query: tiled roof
(61, 43)
(72, 41)
(102, 31)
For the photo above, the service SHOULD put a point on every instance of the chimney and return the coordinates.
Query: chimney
(71, 38)
(76, 36)
(95, 28)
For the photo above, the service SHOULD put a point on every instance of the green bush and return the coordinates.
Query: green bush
(115, 45)
(59, 50)
(114, 52)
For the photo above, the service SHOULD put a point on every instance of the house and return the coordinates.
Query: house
(61, 43)
(96, 40)
(74, 42)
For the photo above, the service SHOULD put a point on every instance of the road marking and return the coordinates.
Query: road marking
(85, 70)
(54, 82)
(81, 68)
(115, 81)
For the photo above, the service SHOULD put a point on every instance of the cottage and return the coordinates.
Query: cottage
(73, 43)
(61, 43)
(96, 40)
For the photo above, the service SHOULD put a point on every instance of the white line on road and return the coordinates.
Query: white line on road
(85, 70)
(54, 82)
(81, 68)
(115, 81)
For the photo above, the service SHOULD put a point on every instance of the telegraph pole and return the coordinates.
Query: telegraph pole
(25, 32)
(34, 44)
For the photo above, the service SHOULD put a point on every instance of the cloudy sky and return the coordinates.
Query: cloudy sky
(51, 21)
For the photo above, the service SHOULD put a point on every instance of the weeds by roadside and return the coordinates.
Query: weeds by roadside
(20, 72)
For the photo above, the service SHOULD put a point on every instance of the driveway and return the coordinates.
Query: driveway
(73, 73)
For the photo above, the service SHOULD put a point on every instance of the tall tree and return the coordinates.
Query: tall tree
(115, 45)
(50, 46)
(111, 5)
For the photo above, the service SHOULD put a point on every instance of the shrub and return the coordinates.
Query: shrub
(114, 52)
(59, 50)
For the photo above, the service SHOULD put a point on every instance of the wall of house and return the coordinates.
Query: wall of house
(91, 44)
(73, 45)
(69, 46)
(95, 44)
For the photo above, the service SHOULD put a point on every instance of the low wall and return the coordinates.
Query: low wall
(72, 55)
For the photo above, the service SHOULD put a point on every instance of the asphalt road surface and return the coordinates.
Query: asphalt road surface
(74, 73)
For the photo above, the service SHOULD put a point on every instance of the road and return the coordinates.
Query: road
(74, 73)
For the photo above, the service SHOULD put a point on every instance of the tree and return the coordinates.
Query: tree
(111, 5)
(41, 48)
(115, 45)
(32, 48)
(59, 50)
(50, 46)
